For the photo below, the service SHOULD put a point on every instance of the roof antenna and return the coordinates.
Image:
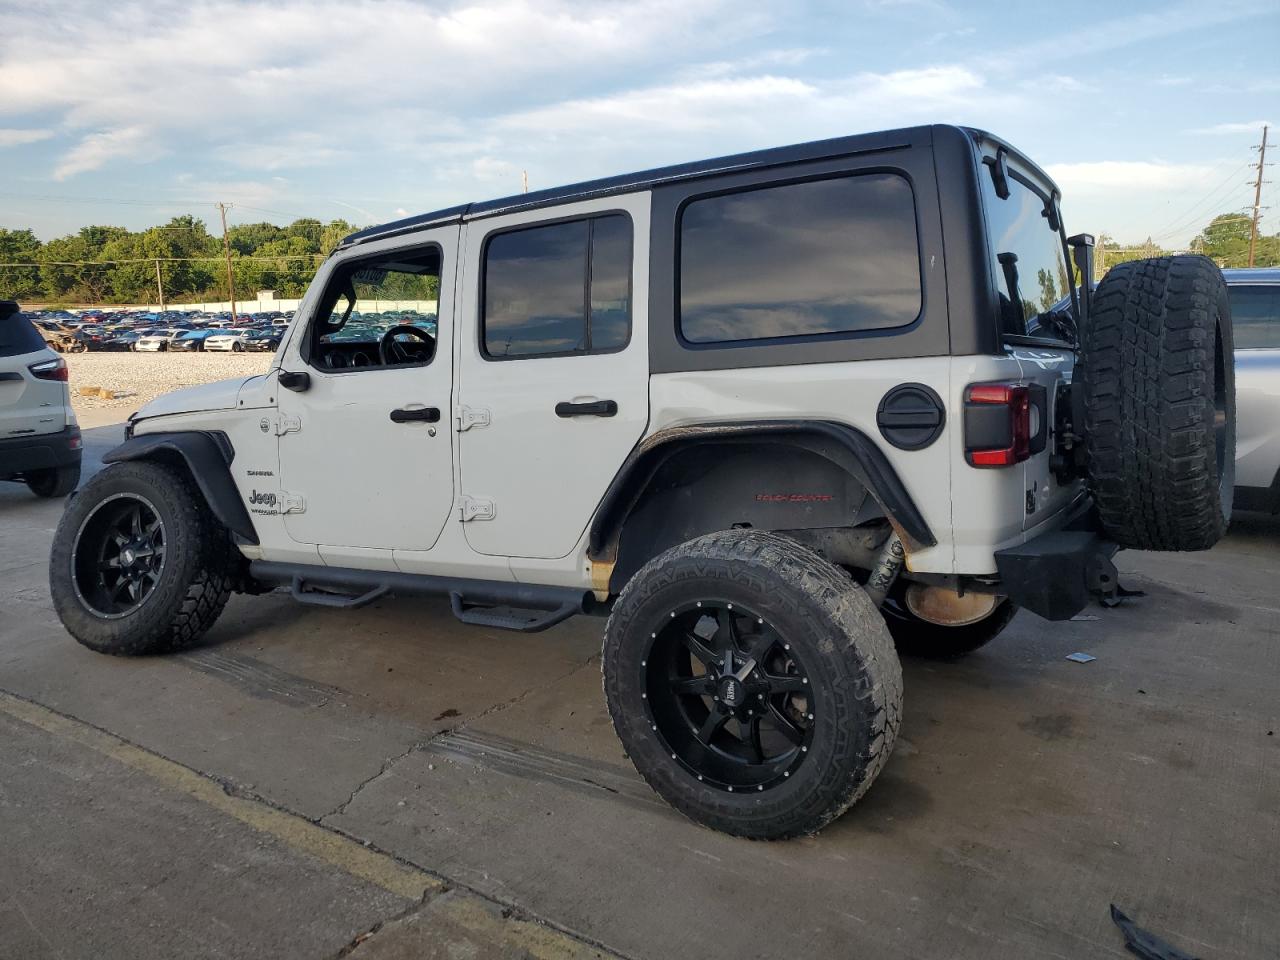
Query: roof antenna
(524, 180)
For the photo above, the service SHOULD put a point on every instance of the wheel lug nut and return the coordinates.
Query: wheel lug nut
(760, 787)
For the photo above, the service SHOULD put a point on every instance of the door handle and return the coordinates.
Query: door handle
(418, 415)
(591, 408)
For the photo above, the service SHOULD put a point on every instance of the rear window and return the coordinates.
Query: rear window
(1255, 317)
(18, 336)
(1027, 261)
(816, 258)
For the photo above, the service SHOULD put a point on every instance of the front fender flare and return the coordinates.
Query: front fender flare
(208, 456)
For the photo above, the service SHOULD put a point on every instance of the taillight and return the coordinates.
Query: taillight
(50, 370)
(997, 424)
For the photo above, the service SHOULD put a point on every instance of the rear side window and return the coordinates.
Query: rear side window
(1027, 261)
(817, 258)
(559, 289)
(18, 336)
(1255, 317)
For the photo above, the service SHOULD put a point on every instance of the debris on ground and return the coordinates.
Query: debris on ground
(1081, 657)
(1144, 944)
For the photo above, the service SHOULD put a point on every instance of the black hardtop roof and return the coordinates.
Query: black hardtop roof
(644, 179)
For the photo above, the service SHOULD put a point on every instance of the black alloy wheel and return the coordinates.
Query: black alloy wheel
(728, 696)
(118, 555)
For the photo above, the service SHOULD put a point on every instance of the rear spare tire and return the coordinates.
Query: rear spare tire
(1160, 403)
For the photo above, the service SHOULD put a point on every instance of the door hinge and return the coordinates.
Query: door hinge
(469, 417)
(292, 502)
(473, 508)
(288, 424)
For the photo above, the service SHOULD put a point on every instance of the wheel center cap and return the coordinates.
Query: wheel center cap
(732, 693)
(127, 556)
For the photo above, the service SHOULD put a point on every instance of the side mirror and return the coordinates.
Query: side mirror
(1082, 253)
(298, 382)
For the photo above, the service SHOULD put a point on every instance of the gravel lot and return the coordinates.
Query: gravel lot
(145, 376)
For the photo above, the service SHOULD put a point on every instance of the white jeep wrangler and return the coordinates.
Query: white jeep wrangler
(772, 413)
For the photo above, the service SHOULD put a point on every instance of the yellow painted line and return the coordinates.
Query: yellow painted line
(294, 831)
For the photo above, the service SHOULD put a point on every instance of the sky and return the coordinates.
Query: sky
(131, 113)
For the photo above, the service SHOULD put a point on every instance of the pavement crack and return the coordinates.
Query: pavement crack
(387, 764)
(524, 695)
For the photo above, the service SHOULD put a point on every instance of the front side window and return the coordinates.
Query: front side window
(1028, 262)
(558, 289)
(1255, 317)
(822, 257)
(379, 312)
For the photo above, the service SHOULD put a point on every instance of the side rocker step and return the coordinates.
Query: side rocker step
(521, 620)
(523, 607)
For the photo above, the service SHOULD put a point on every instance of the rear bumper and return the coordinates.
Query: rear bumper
(1057, 573)
(19, 455)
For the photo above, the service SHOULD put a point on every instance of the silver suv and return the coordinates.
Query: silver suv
(39, 437)
(1255, 310)
(773, 414)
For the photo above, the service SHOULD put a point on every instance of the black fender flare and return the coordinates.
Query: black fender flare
(840, 443)
(208, 455)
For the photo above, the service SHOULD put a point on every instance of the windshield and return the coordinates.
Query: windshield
(1028, 261)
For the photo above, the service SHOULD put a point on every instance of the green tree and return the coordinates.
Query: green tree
(19, 283)
(1226, 240)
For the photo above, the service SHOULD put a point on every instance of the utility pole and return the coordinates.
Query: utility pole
(1257, 195)
(159, 286)
(226, 246)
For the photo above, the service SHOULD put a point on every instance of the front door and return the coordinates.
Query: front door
(554, 370)
(365, 444)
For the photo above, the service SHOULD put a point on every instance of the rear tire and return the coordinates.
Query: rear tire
(813, 657)
(184, 574)
(1159, 383)
(916, 637)
(54, 482)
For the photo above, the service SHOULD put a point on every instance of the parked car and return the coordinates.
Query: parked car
(772, 413)
(62, 338)
(231, 339)
(263, 340)
(158, 340)
(191, 340)
(1255, 312)
(40, 442)
(126, 340)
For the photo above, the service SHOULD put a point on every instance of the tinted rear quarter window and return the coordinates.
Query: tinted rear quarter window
(18, 336)
(558, 289)
(1255, 316)
(810, 259)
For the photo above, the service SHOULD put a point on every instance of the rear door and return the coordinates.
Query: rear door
(553, 370)
(1037, 317)
(29, 404)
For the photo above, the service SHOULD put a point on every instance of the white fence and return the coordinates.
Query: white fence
(263, 306)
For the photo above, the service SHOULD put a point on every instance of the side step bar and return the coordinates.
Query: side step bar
(528, 607)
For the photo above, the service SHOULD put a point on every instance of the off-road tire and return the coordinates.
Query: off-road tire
(822, 613)
(915, 637)
(194, 586)
(1158, 373)
(54, 482)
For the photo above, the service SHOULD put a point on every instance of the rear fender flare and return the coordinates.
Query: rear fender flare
(208, 456)
(839, 443)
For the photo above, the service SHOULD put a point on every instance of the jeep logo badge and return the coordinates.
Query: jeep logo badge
(265, 499)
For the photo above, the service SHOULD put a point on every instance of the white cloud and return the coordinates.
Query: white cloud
(1128, 176)
(97, 149)
(16, 137)
(1251, 126)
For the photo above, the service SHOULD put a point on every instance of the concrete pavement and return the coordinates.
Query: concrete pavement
(1026, 794)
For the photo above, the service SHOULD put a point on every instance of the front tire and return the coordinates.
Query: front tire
(54, 482)
(753, 684)
(139, 564)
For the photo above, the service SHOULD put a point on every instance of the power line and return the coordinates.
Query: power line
(215, 259)
(1183, 220)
